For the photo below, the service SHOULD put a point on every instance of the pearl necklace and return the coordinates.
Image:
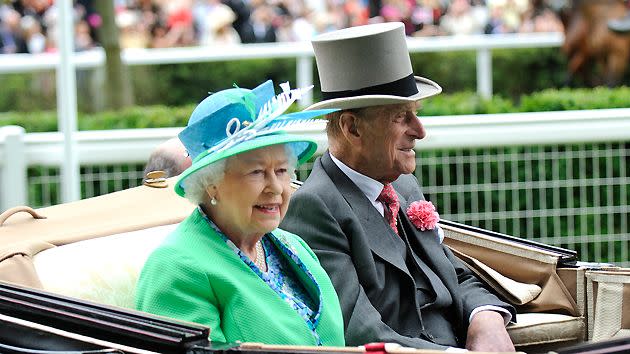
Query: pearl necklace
(260, 260)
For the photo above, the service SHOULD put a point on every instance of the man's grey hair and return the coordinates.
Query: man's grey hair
(161, 160)
(170, 156)
(196, 185)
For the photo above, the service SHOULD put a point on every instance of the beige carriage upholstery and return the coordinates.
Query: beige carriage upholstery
(23, 236)
(103, 270)
(550, 301)
(94, 250)
(608, 293)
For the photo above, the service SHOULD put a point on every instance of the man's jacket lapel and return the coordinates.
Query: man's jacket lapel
(425, 243)
(379, 234)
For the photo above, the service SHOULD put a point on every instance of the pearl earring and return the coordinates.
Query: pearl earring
(213, 201)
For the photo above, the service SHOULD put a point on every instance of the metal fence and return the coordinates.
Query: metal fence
(562, 178)
(44, 182)
(574, 196)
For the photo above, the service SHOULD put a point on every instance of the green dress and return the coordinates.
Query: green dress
(195, 276)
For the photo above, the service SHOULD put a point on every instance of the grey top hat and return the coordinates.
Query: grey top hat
(367, 66)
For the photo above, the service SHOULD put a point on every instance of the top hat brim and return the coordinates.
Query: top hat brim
(426, 88)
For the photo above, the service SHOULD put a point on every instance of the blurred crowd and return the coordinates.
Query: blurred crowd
(28, 26)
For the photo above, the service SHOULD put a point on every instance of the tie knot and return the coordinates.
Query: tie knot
(388, 195)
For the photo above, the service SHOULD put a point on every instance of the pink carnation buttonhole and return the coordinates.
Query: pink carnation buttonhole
(423, 215)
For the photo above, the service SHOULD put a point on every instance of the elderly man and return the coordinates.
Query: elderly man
(170, 157)
(395, 280)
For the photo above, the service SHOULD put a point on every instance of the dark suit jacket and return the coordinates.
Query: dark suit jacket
(379, 298)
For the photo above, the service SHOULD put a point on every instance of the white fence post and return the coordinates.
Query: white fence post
(67, 105)
(305, 79)
(484, 73)
(13, 167)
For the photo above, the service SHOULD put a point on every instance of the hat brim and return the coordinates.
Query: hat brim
(426, 88)
(304, 148)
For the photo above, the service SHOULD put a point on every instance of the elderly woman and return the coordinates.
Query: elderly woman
(227, 265)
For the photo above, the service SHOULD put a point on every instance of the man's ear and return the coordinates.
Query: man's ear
(348, 123)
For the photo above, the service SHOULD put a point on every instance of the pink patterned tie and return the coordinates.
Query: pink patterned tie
(389, 198)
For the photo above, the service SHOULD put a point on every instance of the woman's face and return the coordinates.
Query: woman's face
(253, 196)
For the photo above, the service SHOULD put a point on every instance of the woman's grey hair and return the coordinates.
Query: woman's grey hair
(196, 185)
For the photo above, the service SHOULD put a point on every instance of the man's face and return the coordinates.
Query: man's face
(388, 139)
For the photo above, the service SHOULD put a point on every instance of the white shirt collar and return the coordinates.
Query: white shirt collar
(372, 189)
(369, 186)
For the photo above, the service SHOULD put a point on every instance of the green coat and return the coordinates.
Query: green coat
(195, 276)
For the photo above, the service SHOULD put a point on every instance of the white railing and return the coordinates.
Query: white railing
(19, 150)
(302, 51)
(557, 177)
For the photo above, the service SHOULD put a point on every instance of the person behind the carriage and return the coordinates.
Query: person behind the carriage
(364, 215)
(227, 265)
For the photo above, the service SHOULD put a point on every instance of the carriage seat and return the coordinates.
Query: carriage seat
(105, 270)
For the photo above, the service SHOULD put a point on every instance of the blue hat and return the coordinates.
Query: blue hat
(237, 120)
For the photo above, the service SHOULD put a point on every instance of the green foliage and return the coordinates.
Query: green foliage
(549, 182)
(137, 117)
(514, 71)
(32, 122)
(567, 99)
(454, 71)
(27, 92)
(160, 116)
(43, 186)
(177, 84)
(128, 118)
(523, 71)
(181, 84)
(465, 103)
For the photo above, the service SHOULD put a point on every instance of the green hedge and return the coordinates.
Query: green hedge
(444, 104)
(465, 103)
(178, 84)
(567, 99)
(134, 117)
(515, 72)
